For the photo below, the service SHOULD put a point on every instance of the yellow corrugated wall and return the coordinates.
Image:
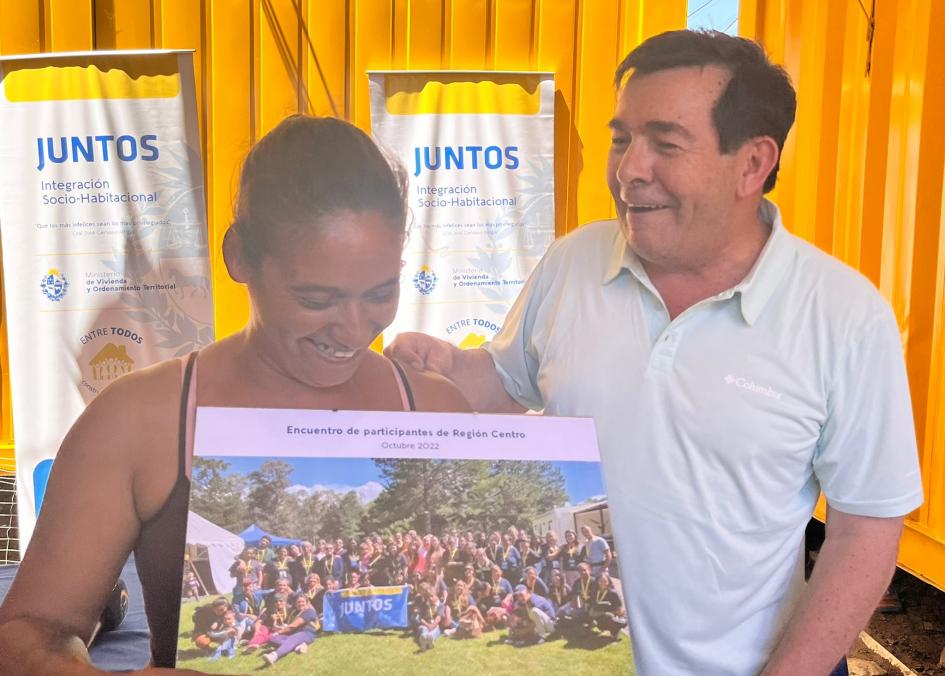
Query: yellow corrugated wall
(863, 179)
(862, 174)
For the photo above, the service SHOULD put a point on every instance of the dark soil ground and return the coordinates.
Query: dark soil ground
(917, 635)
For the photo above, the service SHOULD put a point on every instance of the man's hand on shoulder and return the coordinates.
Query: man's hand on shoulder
(472, 371)
(422, 352)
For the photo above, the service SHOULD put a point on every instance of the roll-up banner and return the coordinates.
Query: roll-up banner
(479, 151)
(104, 234)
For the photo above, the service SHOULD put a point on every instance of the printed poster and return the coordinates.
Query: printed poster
(479, 152)
(104, 235)
(399, 543)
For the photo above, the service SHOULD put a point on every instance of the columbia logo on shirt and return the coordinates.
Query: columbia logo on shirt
(751, 386)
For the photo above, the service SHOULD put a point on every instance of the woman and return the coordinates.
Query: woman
(462, 615)
(295, 636)
(560, 592)
(606, 609)
(314, 592)
(317, 240)
(272, 621)
(429, 618)
(570, 557)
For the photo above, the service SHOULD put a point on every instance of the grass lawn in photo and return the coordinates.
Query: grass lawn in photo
(379, 653)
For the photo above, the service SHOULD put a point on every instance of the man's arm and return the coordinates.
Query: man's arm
(472, 371)
(853, 569)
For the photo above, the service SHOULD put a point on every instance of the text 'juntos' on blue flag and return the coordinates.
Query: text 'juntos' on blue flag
(366, 608)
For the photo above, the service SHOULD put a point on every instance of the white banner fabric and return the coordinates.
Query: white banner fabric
(104, 234)
(479, 151)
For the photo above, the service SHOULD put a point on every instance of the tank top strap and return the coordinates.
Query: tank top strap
(162, 537)
(403, 385)
(188, 413)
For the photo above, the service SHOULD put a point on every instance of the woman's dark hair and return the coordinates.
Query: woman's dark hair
(758, 100)
(307, 168)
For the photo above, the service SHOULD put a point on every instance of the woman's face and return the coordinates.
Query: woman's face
(323, 292)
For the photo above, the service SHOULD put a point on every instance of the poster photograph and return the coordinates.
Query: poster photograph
(398, 543)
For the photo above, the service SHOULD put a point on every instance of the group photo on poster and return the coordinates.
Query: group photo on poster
(302, 561)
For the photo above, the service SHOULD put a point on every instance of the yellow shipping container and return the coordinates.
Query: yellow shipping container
(862, 175)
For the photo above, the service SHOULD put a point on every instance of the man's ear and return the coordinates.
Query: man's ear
(757, 156)
(233, 256)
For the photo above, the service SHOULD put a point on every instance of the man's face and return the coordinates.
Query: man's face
(674, 191)
(587, 533)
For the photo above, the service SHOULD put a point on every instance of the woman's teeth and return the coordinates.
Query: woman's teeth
(333, 352)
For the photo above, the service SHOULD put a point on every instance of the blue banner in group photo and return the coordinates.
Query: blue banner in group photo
(368, 608)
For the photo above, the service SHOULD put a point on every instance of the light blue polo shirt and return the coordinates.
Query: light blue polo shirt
(719, 429)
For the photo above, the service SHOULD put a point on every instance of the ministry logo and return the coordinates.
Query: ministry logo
(54, 285)
(425, 280)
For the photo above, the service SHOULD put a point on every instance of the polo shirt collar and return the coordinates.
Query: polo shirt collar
(758, 286)
(621, 258)
(773, 263)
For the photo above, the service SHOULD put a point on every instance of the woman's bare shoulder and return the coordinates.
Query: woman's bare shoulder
(433, 392)
(151, 394)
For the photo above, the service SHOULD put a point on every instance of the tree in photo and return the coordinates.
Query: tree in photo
(428, 493)
(271, 506)
(341, 517)
(515, 493)
(218, 496)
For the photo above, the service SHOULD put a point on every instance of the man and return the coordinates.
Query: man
(305, 564)
(280, 568)
(733, 371)
(575, 614)
(473, 584)
(265, 553)
(333, 565)
(532, 618)
(596, 551)
(249, 605)
(208, 619)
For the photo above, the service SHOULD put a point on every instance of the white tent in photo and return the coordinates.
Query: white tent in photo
(217, 546)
